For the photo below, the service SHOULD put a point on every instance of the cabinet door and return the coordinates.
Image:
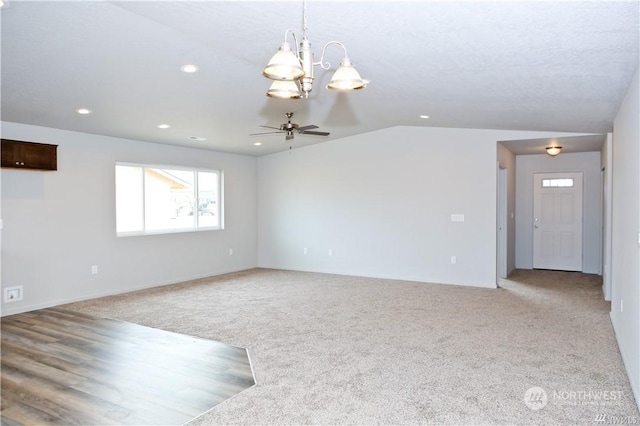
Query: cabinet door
(11, 154)
(29, 155)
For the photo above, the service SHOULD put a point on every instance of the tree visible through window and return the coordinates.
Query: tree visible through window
(159, 199)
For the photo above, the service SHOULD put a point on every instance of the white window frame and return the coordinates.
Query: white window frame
(196, 228)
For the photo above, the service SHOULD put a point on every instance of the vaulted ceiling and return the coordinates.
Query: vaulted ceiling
(523, 65)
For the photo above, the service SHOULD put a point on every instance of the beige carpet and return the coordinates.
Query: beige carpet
(330, 349)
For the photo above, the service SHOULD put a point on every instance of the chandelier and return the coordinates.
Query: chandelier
(292, 71)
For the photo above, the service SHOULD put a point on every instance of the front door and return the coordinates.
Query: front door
(557, 221)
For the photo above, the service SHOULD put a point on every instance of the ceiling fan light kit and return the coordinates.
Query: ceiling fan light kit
(297, 66)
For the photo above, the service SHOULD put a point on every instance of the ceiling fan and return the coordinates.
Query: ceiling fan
(289, 129)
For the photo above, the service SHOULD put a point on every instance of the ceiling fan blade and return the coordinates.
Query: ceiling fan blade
(264, 133)
(271, 127)
(309, 127)
(315, 133)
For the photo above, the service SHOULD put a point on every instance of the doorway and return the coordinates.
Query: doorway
(557, 221)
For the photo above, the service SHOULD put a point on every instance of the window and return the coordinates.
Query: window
(557, 183)
(165, 199)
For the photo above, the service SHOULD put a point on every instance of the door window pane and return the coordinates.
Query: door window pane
(557, 183)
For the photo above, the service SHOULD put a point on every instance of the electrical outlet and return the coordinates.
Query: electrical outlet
(330, 252)
(305, 251)
(13, 294)
(94, 270)
(230, 251)
(453, 260)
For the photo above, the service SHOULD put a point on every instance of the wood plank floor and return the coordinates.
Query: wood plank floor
(63, 367)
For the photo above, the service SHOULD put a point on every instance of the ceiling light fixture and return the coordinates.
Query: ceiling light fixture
(424, 116)
(83, 111)
(163, 126)
(189, 68)
(553, 150)
(293, 70)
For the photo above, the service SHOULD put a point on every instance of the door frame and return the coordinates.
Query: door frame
(607, 188)
(502, 230)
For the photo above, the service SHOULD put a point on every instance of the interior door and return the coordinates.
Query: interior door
(557, 221)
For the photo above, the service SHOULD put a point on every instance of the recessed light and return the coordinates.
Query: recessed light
(257, 143)
(424, 116)
(163, 126)
(189, 68)
(83, 111)
(197, 138)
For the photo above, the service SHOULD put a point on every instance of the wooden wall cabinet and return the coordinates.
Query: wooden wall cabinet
(28, 155)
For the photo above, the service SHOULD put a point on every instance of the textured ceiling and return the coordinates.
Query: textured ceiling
(539, 65)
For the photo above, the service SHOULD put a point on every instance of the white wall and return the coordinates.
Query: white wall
(57, 224)
(625, 265)
(382, 201)
(586, 162)
(507, 160)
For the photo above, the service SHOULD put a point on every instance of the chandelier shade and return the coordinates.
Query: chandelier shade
(346, 78)
(284, 89)
(284, 65)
